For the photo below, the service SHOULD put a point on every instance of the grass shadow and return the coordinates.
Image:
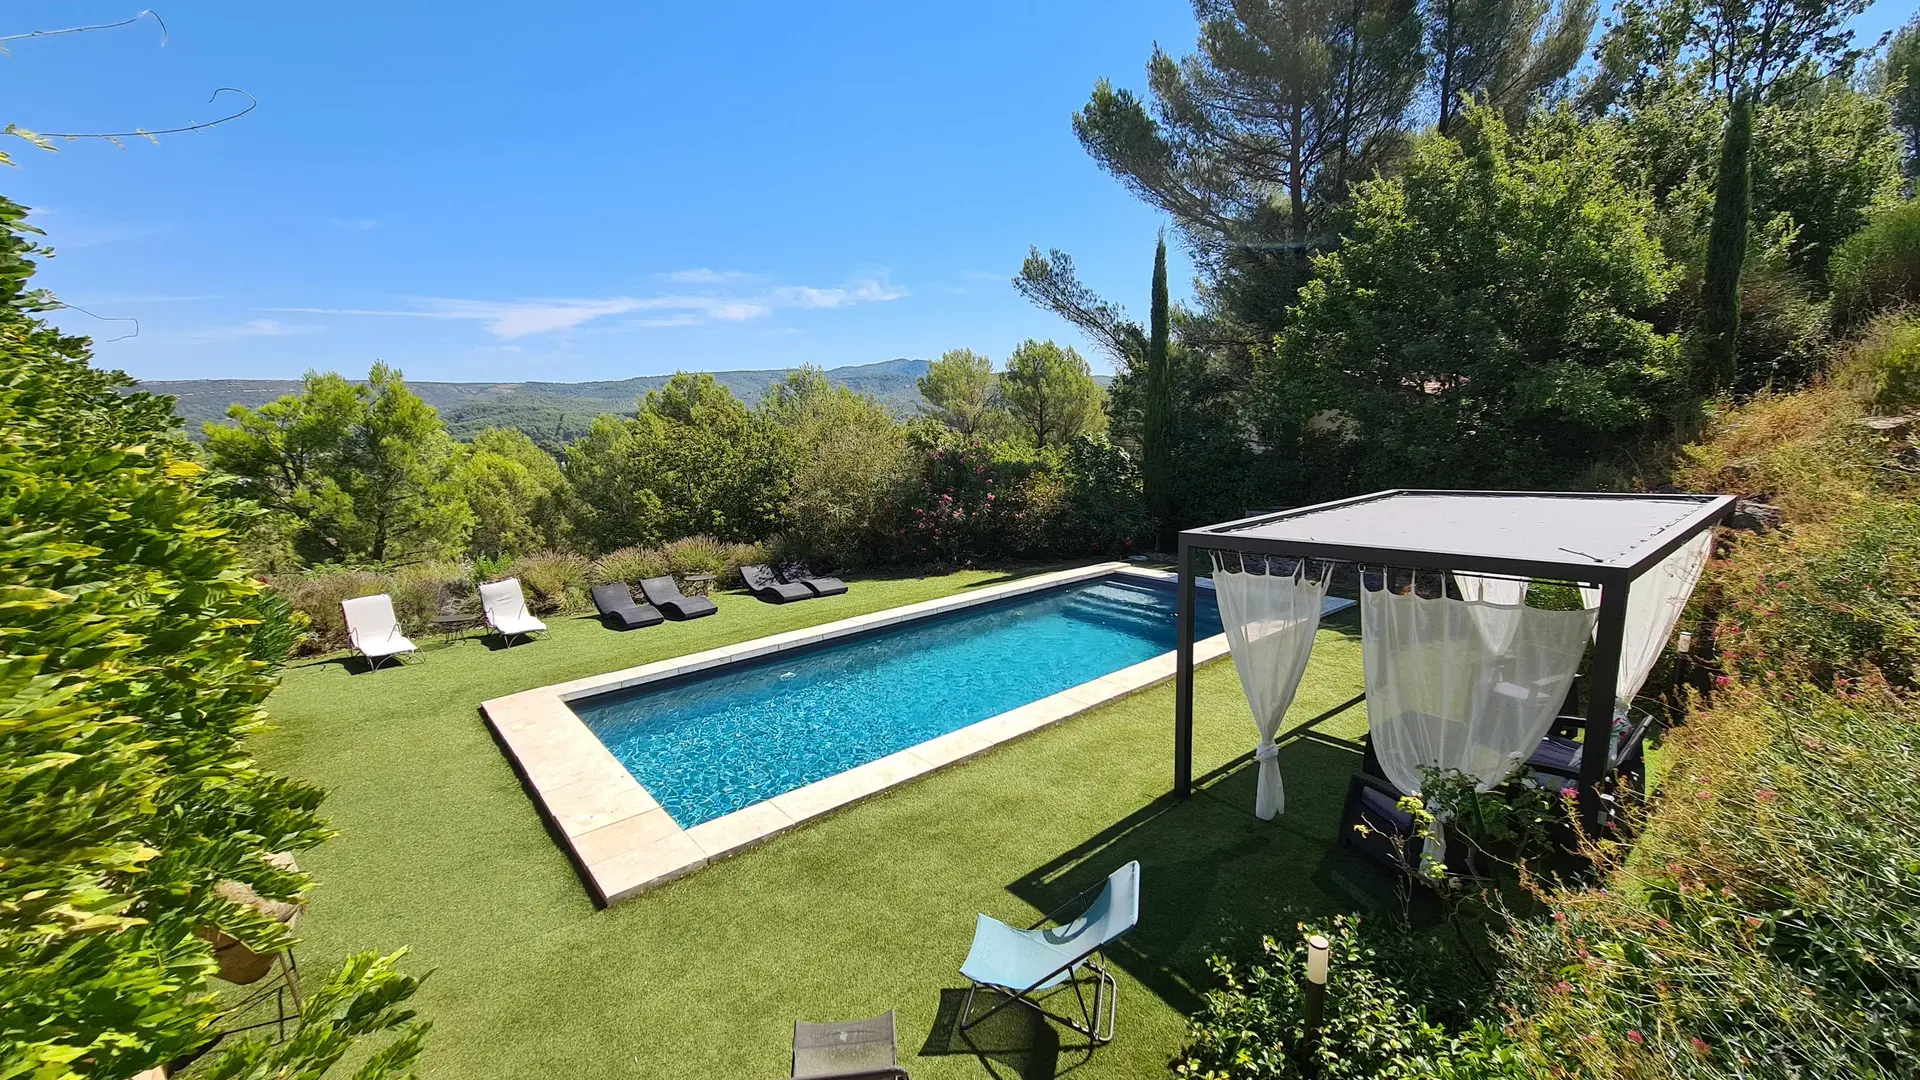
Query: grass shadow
(1014, 1042)
(1215, 879)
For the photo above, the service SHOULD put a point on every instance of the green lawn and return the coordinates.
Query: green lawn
(440, 849)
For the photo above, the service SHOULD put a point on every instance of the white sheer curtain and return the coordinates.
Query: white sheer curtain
(1270, 621)
(1439, 695)
(1444, 694)
(1655, 603)
(1498, 614)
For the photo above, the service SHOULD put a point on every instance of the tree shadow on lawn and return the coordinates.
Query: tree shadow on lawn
(1214, 880)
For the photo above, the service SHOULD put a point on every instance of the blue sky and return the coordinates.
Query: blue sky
(569, 191)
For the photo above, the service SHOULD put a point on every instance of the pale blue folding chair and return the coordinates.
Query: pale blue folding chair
(1019, 964)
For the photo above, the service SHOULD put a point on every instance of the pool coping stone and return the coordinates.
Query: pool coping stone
(625, 842)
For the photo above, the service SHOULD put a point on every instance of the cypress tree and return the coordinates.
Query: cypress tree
(1726, 249)
(1156, 429)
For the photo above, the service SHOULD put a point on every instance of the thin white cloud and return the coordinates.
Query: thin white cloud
(256, 328)
(704, 276)
(861, 292)
(511, 319)
(140, 298)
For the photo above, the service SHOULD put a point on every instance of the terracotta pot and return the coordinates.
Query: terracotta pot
(239, 964)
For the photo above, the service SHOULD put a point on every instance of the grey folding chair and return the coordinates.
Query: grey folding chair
(849, 1050)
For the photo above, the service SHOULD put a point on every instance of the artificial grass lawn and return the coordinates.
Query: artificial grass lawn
(872, 908)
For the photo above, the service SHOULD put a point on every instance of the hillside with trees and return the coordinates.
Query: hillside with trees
(550, 413)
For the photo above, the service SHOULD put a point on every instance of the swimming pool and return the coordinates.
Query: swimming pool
(716, 743)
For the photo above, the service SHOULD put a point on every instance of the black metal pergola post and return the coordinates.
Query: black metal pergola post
(1441, 531)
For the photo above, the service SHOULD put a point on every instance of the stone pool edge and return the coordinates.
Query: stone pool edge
(622, 840)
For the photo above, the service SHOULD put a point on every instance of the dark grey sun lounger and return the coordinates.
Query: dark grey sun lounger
(616, 607)
(819, 586)
(664, 594)
(762, 583)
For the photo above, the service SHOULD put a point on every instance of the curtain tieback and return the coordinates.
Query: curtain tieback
(1266, 751)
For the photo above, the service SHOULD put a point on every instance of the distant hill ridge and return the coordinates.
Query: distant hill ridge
(550, 412)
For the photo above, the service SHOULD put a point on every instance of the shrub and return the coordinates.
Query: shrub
(739, 555)
(695, 555)
(134, 640)
(1827, 602)
(1102, 511)
(1784, 449)
(425, 590)
(278, 630)
(125, 696)
(552, 580)
(1764, 926)
(629, 566)
(1883, 367)
(317, 595)
(1878, 267)
(1783, 330)
(1252, 1026)
(966, 503)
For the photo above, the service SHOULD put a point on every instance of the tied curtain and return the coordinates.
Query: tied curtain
(1655, 602)
(1498, 610)
(1442, 694)
(1270, 621)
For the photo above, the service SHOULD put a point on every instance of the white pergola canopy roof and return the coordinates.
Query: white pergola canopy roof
(1589, 537)
(1605, 540)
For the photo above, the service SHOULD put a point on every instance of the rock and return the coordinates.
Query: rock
(1751, 516)
(1889, 423)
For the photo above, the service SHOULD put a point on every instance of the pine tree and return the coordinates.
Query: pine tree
(1156, 430)
(1726, 250)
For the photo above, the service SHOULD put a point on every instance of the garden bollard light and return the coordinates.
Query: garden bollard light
(1317, 950)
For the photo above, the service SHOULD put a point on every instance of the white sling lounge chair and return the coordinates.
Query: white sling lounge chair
(373, 629)
(506, 609)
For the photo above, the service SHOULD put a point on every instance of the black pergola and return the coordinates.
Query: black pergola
(1603, 540)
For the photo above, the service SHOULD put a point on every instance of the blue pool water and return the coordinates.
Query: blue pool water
(713, 745)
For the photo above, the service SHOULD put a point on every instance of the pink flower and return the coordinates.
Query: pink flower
(1700, 1046)
(1636, 1038)
(1766, 796)
(1721, 680)
(1559, 916)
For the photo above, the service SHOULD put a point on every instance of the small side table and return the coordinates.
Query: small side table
(452, 626)
(699, 584)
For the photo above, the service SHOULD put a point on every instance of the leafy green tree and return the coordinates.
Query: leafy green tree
(1505, 53)
(614, 505)
(963, 394)
(126, 690)
(1726, 251)
(694, 461)
(1900, 75)
(1051, 393)
(517, 493)
(367, 470)
(1484, 324)
(1251, 143)
(1156, 422)
(1747, 52)
(849, 460)
(1878, 267)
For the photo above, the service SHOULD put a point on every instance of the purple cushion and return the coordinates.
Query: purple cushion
(1384, 811)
